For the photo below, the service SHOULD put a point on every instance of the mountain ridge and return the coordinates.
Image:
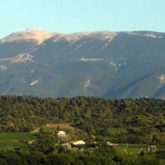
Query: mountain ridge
(104, 64)
(32, 34)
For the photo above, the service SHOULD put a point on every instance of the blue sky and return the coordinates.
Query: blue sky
(82, 15)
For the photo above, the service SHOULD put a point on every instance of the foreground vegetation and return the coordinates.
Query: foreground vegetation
(49, 149)
(136, 126)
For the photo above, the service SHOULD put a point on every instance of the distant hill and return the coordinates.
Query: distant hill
(104, 64)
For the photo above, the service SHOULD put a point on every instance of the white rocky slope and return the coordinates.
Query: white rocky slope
(37, 35)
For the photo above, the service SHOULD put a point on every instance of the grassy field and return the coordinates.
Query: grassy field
(119, 130)
(132, 149)
(11, 140)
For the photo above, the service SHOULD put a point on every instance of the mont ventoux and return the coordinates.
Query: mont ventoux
(102, 64)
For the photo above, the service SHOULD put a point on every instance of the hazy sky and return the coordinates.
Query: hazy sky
(82, 15)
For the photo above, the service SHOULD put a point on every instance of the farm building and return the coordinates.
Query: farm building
(77, 143)
(61, 134)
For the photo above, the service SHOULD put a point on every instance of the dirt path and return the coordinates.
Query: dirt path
(64, 126)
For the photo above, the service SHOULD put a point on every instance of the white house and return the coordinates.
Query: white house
(31, 141)
(111, 144)
(61, 134)
(78, 142)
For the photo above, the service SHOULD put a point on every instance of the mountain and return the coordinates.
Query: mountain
(104, 64)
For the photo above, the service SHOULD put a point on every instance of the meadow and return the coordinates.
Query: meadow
(12, 140)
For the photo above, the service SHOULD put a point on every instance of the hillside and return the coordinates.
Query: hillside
(96, 130)
(108, 118)
(103, 64)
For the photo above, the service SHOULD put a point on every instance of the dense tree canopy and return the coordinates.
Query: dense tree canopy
(139, 121)
(142, 120)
